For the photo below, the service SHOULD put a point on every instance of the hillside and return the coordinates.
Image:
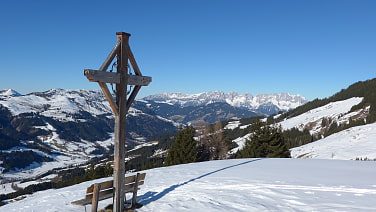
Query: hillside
(350, 143)
(365, 89)
(60, 128)
(80, 114)
(237, 185)
(338, 127)
(356, 143)
(338, 112)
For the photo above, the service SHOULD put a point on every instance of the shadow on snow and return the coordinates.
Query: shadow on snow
(150, 196)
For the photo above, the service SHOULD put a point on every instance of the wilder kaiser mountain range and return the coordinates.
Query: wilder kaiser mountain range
(269, 103)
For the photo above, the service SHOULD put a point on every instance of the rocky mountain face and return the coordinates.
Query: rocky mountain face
(265, 103)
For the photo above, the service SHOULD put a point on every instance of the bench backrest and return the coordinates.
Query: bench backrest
(106, 188)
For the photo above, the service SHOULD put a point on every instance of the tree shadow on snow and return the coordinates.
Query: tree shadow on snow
(151, 196)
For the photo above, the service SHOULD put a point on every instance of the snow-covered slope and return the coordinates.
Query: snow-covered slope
(354, 143)
(58, 103)
(282, 101)
(313, 118)
(357, 142)
(350, 144)
(237, 185)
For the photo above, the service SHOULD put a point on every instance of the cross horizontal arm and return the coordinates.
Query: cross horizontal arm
(138, 80)
(114, 77)
(102, 76)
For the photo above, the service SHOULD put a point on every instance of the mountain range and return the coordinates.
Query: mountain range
(265, 103)
(60, 128)
(74, 126)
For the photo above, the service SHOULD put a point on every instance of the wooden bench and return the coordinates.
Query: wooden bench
(105, 190)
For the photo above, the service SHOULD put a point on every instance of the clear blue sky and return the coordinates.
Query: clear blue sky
(313, 48)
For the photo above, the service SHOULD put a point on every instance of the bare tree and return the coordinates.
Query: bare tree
(212, 143)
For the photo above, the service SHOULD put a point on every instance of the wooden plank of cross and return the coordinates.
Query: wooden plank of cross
(102, 76)
(121, 104)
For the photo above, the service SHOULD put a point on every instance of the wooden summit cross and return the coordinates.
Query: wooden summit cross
(120, 105)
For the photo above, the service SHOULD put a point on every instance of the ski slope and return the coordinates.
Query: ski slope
(237, 185)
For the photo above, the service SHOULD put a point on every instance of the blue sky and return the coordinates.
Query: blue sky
(313, 47)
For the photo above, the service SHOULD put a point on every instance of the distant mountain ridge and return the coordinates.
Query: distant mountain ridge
(266, 103)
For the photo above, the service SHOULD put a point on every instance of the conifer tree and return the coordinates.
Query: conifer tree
(265, 141)
(184, 150)
(277, 146)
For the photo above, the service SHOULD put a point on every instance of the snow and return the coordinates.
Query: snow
(232, 125)
(6, 188)
(333, 110)
(240, 142)
(236, 185)
(356, 142)
(37, 169)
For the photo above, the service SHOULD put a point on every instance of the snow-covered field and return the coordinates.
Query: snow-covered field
(237, 185)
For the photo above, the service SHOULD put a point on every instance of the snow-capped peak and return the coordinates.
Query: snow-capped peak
(9, 93)
(282, 101)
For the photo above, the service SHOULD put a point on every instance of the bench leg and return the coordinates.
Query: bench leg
(94, 201)
(135, 188)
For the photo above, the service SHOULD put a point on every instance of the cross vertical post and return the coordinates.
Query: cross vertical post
(120, 105)
(120, 120)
